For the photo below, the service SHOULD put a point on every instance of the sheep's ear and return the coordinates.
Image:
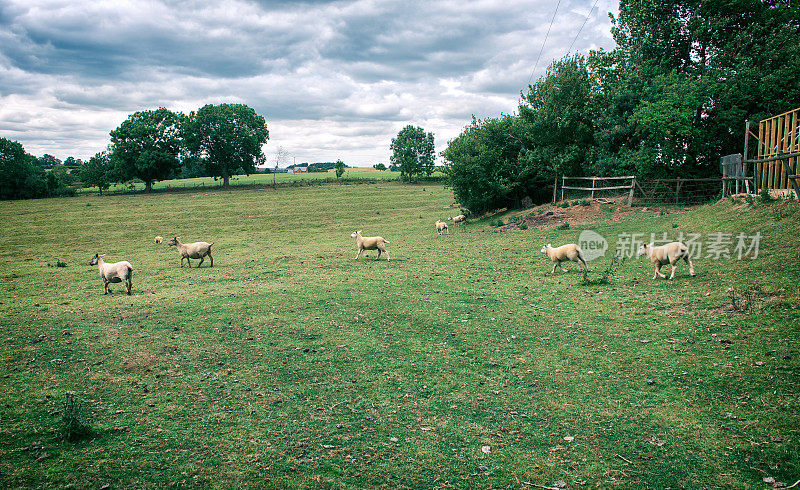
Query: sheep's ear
(101, 255)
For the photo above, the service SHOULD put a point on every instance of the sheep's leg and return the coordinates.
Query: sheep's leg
(212, 260)
(387, 255)
(188, 262)
(201, 261)
(674, 267)
(379, 254)
(359, 253)
(128, 285)
(691, 266)
(658, 271)
(583, 262)
(555, 264)
(105, 286)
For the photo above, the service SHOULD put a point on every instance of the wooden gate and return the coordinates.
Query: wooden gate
(778, 150)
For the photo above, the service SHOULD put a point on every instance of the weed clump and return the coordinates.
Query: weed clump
(73, 426)
(605, 275)
(765, 197)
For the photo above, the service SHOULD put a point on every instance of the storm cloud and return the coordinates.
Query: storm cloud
(334, 79)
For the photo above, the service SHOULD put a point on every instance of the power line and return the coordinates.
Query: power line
(582, 25)
(543, 43)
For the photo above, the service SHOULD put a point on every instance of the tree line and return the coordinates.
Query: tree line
(152, 145)
(668, 101)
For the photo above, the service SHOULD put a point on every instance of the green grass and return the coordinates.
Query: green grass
(351, 175)
(289, 364)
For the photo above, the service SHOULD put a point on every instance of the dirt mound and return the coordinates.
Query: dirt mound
(579, 211)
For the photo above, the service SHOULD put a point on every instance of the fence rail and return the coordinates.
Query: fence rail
(599, 186)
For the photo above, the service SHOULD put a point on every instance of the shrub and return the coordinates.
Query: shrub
(564, 226)
(523, 226)
(765, 197)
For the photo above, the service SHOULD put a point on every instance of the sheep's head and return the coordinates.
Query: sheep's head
(172, 241)
(544, 249)
(642, 250)
(355, 234)
(96, 259)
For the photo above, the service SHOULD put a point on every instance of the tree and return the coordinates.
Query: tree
(379, 166)
(21, 177)
(97, 172)
(230, 136)
(147, 145)
(413, 152)
(339, 169)
(48, 161)
(281, 158)
(72, 162)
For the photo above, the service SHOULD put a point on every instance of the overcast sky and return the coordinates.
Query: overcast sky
(333, 79)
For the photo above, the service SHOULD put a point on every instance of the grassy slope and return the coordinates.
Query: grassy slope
(290, 364)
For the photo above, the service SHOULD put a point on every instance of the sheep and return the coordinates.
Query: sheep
(458, 219)
(196, 250)
(370, 243)
(159, 239)
(560, 254)
(115, 272)
(441, 227)
(670, 253)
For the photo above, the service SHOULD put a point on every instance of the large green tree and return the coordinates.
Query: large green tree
(229, 137)
(21, 176)
(97, 172)
(147, 145)
(413, 152)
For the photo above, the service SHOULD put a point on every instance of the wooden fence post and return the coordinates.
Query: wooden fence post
(562, 187)
(555, 187)
(630, 194)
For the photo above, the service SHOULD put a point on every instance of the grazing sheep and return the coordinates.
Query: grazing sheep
(458, 219)
(370, 243)
(159, 239)
(441, 227)
(563, 253)
(115, 272)
(670, 253)
(196, 250)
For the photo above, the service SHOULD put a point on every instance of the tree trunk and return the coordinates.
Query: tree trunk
(148, 186)
(225, 178)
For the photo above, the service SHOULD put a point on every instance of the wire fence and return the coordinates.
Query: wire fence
(677, 191)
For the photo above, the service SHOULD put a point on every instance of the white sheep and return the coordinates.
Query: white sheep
(115, 272)
(670, 253)
(458, 219)
(159, 239)
(441, 227)
(563, 253)
(196, 250)
(370, 243)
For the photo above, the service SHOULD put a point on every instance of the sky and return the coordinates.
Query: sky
(333, 79)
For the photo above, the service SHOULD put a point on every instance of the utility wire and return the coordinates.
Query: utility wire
(584, 23)
(543, 42)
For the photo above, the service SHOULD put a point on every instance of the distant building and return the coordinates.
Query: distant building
(298, 170)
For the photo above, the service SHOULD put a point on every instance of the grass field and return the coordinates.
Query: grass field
(351, 175)
(459, 363)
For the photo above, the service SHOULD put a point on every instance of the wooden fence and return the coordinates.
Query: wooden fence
(776, 165)
(600, 186)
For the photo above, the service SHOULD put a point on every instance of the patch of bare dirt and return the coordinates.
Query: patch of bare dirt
(549, 215)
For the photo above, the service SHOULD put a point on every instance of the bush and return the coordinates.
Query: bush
(765, 197)
(564, 226)
(523, 226)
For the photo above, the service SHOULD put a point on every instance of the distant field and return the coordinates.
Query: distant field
(351, 174)
(459, 363)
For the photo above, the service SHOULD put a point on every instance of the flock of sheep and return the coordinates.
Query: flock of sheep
(670, 254)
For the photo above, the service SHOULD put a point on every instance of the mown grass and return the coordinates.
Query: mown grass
(290, 364)
(351, 175)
